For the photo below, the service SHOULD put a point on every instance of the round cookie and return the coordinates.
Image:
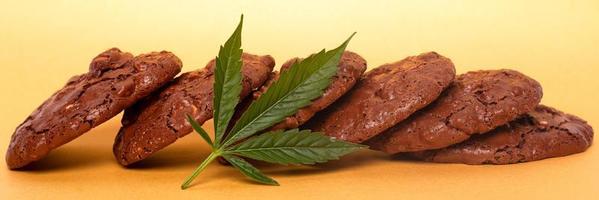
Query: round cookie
(350, 68)
(477, 102)
(542, 133)
(385, 96)
(159, 120)
(114, 82)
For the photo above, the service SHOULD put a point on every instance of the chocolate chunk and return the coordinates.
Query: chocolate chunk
(159, 120)
(542, 133)
(477, 102)
(114, 82)
(385, 96)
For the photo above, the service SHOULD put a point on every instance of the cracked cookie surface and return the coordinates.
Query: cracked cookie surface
(350, 68)
(114, 82)
(542, 133)
(159, 120)
(477, 102)
(385, 96)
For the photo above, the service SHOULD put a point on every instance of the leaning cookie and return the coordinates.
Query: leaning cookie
(477, 102)
(385, 96)
(350, 68)
(542, 133)
(114, 82)
(159, 120)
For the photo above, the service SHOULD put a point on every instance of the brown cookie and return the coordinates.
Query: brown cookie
(542, 133)
(477, 102)
(159, 120)
(114, 82)
(385, 96)
(350, 68)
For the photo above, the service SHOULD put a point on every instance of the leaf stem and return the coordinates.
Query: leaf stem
(197, 171)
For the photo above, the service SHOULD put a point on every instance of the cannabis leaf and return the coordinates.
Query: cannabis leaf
(304, 81)
(293, 147)
(295, 88)
(198, 128)
(248, 170)
(227, 83)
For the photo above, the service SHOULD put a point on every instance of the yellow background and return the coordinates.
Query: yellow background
(43, 43)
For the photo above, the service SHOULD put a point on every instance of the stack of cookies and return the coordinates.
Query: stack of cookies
(416, 106)
(145, 87)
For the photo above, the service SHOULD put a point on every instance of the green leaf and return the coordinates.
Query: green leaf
(293, 147)
(295, 88)
(248, 170)
(227, 83)
(198, 128)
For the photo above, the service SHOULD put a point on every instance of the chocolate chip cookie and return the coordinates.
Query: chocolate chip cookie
(385, 96)
(477, 102)
(542, 133)
(114, 82)
(159, 120)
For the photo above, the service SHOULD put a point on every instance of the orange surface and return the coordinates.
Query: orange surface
(42, 44)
